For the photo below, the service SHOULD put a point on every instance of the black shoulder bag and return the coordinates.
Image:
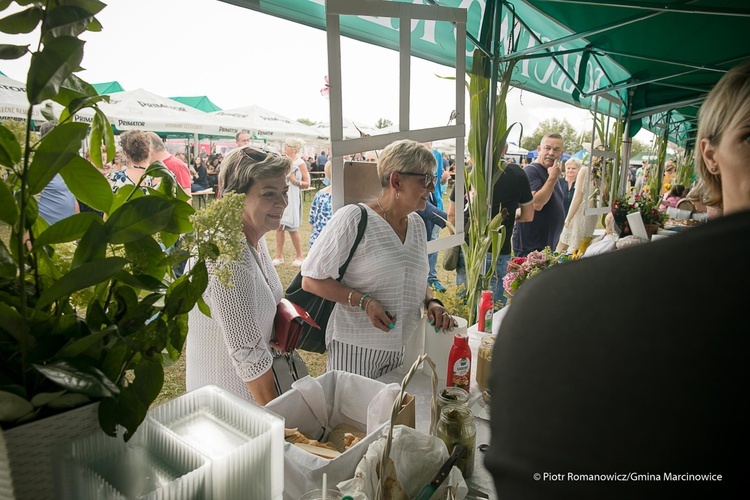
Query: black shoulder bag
(314, 339)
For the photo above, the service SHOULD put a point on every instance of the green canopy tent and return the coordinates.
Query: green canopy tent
(658, 59)
(108, 88)
(200, 102)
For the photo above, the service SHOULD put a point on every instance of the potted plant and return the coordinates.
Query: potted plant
(91, 309)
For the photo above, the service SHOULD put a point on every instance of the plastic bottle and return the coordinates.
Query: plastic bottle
(459, 363)
(484, 318)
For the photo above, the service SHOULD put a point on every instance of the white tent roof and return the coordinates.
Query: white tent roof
(142, 110)
(514, 149)
(14, 103)
(265, 124)
(351, 129)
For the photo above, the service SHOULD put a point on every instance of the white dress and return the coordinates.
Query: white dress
(393, 273)
(293, 211)
(580, 226)
(232, 346)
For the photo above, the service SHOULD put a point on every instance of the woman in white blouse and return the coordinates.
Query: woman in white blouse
(382, 295)
(232, 348)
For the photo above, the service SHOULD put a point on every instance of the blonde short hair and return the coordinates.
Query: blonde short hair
(241, 169)
(575, 161)
(295, 144)
(727, 104)
(405, 156)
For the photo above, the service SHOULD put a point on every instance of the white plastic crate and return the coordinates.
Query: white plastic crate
(152, 465)
(244, 442)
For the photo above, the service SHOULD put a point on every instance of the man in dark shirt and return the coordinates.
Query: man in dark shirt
(549, 212)
(511, 194)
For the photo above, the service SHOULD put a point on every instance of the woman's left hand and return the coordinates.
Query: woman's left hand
(439, 317)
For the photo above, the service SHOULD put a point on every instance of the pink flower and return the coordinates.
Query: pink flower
(536, 258)
(325, 90)
(508, 280)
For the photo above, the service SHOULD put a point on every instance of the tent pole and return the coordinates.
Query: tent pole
(196, 146)
(627, 143)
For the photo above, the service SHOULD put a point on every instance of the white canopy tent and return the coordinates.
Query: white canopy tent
(142, 110)
(14, 103)
(353, 130)
(265, 124)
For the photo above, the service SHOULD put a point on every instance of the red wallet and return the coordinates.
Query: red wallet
(287, 324)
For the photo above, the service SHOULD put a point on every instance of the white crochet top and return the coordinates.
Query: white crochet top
(393, 273)
(231, 347)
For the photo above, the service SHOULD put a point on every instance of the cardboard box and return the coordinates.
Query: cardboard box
(317, 406)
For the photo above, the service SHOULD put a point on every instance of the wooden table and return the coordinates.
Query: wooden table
(201, 196)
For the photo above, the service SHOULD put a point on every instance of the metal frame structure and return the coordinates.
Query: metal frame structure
(340, 147)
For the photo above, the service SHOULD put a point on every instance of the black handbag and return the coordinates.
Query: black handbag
(313, 339)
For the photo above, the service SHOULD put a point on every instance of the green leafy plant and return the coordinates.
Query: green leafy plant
(645, 204)
(91, 309)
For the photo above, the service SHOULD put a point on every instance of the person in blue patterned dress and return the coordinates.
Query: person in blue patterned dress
(321, 210)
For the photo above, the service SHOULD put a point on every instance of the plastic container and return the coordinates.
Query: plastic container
(459, 363)
(152, 465)
(243, 441)
(318, 495)
(456, 426)
(484, 360)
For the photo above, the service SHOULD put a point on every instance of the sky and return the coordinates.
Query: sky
(239, 57)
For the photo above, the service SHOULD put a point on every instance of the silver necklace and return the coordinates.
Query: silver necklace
(385, 216)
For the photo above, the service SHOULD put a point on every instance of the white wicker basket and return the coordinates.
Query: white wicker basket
(29, 447)
(397, 407)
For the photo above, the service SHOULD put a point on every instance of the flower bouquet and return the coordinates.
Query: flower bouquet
(648, 208)
(520, 269)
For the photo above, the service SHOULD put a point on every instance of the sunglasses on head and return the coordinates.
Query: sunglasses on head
(428, 178)
(257, 154)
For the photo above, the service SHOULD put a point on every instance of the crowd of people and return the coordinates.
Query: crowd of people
(631, 394)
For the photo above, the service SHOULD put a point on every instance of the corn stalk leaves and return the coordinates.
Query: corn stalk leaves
(55, 151)
(88, 274)
(49, 68)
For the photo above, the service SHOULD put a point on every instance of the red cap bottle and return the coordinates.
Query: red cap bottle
(459, 363)
(484, 317)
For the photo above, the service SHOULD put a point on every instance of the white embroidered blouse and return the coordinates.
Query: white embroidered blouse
(393, 273)
(231, 347)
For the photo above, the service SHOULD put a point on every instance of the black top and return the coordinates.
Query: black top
(568, 194)
(584, 383)
(510, 191)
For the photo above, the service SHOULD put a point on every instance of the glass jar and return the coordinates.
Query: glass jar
(456, 426)
(484, 358)
(451, 396)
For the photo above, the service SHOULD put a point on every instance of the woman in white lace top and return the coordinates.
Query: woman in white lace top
(231, 349)
(383, 292)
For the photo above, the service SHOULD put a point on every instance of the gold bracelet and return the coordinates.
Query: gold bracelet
(349, 298)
